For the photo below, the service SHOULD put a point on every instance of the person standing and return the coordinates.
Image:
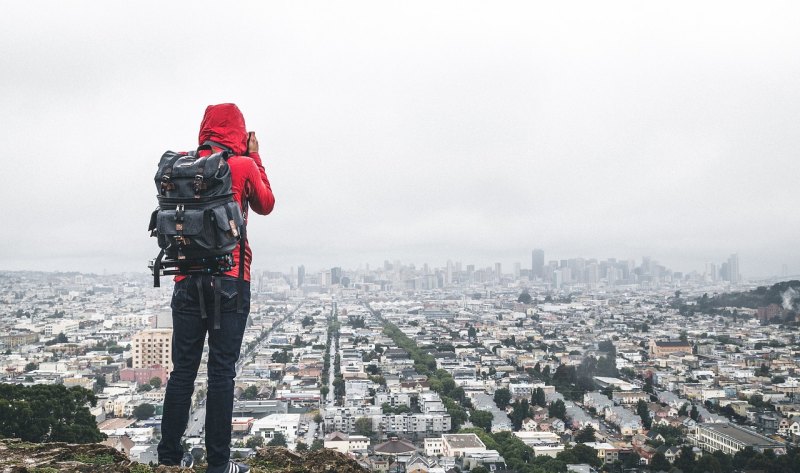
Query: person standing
(224, 128)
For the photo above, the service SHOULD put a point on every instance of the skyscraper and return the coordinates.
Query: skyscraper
(301, 275)
(733, 269)
(537, 264)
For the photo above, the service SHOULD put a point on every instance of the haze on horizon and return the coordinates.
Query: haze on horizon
(419, 132)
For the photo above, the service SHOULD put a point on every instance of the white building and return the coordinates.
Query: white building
(287, 424)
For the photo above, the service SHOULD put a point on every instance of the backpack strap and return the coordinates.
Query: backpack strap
(157, 269)
(201, 297)
(208, 144)
(242, 241)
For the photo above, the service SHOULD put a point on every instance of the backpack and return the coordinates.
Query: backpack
(198, 223)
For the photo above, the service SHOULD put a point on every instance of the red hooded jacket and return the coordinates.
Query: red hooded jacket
(224, 124)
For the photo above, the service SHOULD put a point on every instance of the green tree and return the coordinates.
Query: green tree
(301, 447)
(155, 382)
(281, 356)
(30, 367)
(250, 392)
(587, 434)
(318, 418)
(458, 415)
(144, 411)
(644, 413)
(659, 463)
(538, 397)
(525, 298)
(502, 397)
(708, 464)
(101, 381)
(520, 410)
(482, 419)
(48, 413)
(278, 440)
(363, 426)
(557, 409)
(317, 444)
(255, 441)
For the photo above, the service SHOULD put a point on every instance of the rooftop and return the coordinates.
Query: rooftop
(463, 441)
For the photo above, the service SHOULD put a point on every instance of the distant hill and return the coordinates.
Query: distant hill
(785, 294)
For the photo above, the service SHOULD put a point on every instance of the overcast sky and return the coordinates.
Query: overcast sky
(418, 131)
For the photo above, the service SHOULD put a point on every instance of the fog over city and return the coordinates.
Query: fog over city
(413, 131)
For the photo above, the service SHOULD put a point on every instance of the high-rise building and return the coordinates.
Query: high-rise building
(152, 347)
(733, 269)
(498, 271)
(711, 272)
(537, 264)
(336, 275)
(301, 275)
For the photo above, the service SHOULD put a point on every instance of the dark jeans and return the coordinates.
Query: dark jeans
(189, 330)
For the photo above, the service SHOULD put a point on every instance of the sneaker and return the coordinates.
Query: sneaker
(188, 460)
(231, 467)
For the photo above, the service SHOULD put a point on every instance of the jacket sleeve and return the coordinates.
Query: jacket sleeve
(261, 199)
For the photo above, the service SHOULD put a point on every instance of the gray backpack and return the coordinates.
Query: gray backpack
(198, 223)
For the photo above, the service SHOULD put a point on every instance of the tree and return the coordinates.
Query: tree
(580, 453)
(557, 409)
(255, 442)
(520, 410)
(301, 447)
(479, 469)
(278, 440)
(144, 411)
(644, 413)
(155, 382)
(525, 298)
(251, 392)
(587, 434)
(458, 415)
(101, 381)
(694, 413)
(538, 398)
(363, 426)
(48, 413)
(30, 367)
(280, 356)
(502, 397)
(317, 444)
(482, 419)
(318, 418)
(659, 463)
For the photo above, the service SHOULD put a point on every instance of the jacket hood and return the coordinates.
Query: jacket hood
(224, 124)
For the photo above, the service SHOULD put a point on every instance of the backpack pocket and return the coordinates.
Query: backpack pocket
(194, 233)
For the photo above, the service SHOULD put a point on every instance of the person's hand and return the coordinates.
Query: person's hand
(252, 142)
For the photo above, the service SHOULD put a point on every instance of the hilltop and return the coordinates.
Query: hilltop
(785, 294)
(17, 456)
